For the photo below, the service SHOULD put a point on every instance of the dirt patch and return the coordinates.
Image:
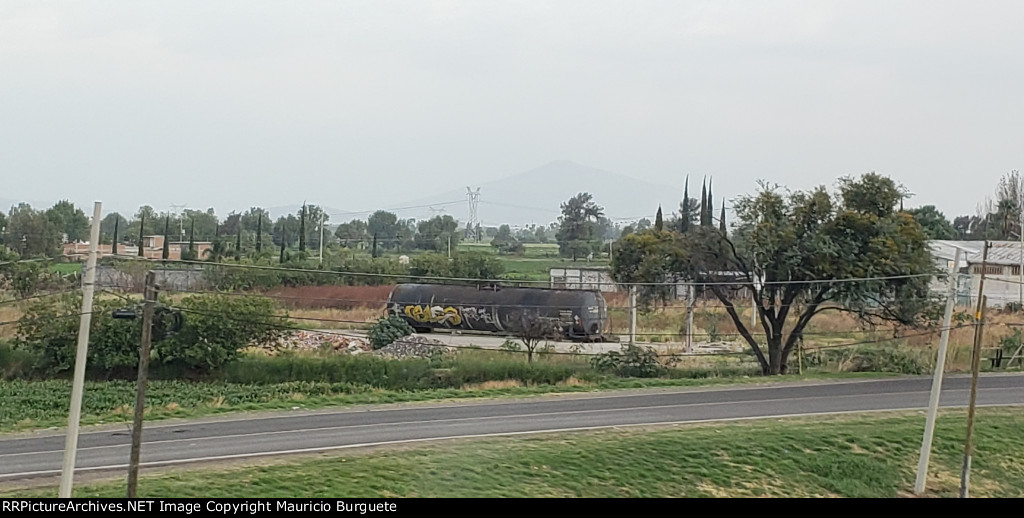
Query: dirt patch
(337, 297)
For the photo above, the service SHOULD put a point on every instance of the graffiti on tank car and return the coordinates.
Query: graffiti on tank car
(481, 315)
(434, 314)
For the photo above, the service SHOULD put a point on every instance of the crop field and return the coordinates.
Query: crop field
(858, 457)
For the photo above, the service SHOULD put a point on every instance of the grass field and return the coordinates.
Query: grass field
(850, 456)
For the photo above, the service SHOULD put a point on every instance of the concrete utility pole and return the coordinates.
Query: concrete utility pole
(142, 381)
(322, 217)
(965, 473)
(940, 366)
(78, 382)
(632, 314)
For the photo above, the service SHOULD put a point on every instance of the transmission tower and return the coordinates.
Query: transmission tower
(180, 211)
(474, 201)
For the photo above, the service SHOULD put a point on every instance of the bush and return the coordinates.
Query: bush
(632, 362)
(388, 329)
(885, 359)
(216, 328)
(17, 362)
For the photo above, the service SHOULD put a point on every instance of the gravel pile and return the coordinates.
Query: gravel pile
(413, 347)
(318, 341)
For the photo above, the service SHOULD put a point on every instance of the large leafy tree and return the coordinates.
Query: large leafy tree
(31, 233)
(933, 223)
(437, 233)
(286, 230)
(804, 253)
(352, 234)
(107, 225)
(652, 257)
(385, 227)
(577, 231)
(70, 221)
(205, 222)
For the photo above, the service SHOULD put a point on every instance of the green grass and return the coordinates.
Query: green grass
(861, 457)
(66, 268)
(31, 405)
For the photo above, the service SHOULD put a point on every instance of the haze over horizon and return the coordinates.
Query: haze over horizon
(364, 105)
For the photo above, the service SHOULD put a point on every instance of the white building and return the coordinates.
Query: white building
(1004, 281)
(583, 278)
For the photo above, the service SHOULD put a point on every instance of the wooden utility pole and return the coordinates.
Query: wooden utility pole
(632, 314)
(965, 473)
(143, 378)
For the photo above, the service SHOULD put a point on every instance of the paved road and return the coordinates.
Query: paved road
(253, 436)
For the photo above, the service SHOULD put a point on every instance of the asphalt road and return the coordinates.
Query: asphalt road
(227, 438)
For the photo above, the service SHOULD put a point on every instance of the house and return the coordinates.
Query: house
(152, 248)
(1004, 281)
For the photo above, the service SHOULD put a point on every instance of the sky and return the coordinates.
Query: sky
(367, 104)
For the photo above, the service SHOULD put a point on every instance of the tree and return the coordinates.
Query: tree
(302, 228)
(286, 228)
(688, 209)
(721, 221)
(167, 241)
(191, 255)
(576, 230)
(70, 221)
(505, 242)
(934, 224)
(113, 240)
(805, 253)
(704, 219)
(352, 234)
(711, 206)
(437, 233)
(142, 239)
(649, 256)
(238, 244)
(3, 229)
(205, 222)
(109, 223)
(31, 233)
(384, 227)
(532, 329)
(259, 232)
(659, 223)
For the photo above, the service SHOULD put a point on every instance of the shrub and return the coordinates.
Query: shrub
(388, 329)
(216, 329)
(632, 361)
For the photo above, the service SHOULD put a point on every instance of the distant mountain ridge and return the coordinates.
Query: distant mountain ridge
(535, 196)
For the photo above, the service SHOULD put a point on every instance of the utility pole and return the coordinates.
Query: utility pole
(632, 314)
(940, 366)
(965, 473)
(71, 443)
(690, 302)
(449, 247)
(142, 380)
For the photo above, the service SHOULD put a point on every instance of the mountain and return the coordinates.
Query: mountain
(535, 196)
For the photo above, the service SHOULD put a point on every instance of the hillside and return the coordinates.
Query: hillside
(534, 196)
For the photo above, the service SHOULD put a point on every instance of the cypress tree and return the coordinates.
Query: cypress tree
(684, 221)
(659, 223)
(259, 231)
(117, 219)
(167, 244)
(374, 253)
(704, 204)
(238, 243)
(192, 239)
(721, 220)
(711, 206)
(284, 238)
(142, 228)
(302, 228)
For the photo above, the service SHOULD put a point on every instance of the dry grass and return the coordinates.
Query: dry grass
(497, 384)
(9, 313)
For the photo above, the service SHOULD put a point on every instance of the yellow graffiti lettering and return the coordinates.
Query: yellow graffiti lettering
(436, 314)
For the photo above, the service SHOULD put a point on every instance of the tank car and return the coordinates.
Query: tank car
(578, 315)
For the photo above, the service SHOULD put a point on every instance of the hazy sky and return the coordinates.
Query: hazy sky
(368, 104)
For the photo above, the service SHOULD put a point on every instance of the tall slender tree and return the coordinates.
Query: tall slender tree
(284, 239)
(113, 249)
(684, 208)
(259, 231)
(659, 223)
(704, 219)
(192, 240)
(238, 244)
(142, 231)
(711, 205)
(302, 228)
(721, 221)
(167, 242)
